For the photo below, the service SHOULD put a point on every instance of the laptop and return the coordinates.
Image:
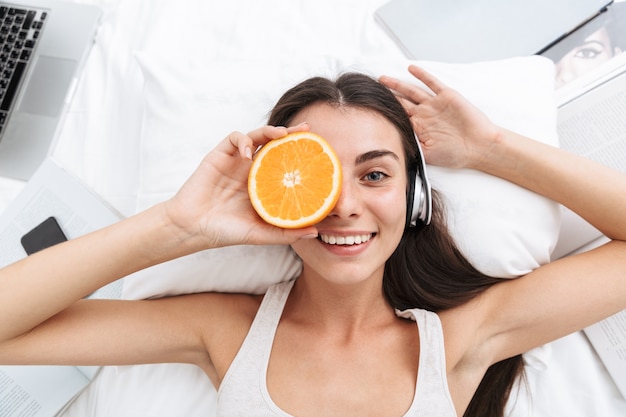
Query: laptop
(482, 30)
(44, 44)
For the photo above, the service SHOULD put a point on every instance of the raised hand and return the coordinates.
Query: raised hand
(453, 132)
(213, 204)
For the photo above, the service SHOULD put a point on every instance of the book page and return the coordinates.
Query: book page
(608, 337)
(593, 124)
(38, 391)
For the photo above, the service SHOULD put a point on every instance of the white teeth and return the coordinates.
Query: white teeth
(345, 240)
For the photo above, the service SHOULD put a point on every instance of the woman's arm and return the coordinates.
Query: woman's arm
(39, 294)
(558, 298)
(594, 191)
(455, 134)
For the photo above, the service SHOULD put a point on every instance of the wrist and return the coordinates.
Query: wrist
(491, 150)
(174, 236)
(511, 156)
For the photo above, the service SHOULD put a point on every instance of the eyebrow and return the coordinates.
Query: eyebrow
(379, 153)
(592, 42)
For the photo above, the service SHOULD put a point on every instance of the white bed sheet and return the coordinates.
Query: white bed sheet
(100, 142)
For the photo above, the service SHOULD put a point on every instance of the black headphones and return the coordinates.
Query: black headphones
(419, 202)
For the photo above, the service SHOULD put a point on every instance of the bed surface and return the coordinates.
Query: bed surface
(248, 50)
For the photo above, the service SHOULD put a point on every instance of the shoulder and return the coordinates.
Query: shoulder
(219, 316)
(224, 321)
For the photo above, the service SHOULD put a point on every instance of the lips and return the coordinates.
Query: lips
(345, 240)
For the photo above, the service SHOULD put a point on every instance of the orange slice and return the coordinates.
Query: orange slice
(295, 181)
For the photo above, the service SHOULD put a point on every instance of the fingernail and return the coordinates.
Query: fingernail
(248, 152)
(309, 236)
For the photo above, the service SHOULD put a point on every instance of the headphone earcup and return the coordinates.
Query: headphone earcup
(419, 199)
(410, 197)
(421, 202)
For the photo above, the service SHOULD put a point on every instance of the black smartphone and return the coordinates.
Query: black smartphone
(42, 236)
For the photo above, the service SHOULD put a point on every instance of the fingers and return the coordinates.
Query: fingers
(291, 235)
(264, 134)
(246, 144)
(405, 90)
(302, 127)
(410, 91)
(427, 78)
(411, 108)
(237, 142)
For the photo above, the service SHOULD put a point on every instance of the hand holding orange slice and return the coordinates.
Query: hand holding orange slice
(295, 181)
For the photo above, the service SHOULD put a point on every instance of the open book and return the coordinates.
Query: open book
(43, 391)
(592, 123)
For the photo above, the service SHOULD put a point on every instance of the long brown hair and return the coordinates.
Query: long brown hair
(427, 270)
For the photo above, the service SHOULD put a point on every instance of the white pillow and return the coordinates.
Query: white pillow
(505, 231)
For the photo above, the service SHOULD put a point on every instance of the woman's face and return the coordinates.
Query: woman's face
(595, 50)
(365, 226)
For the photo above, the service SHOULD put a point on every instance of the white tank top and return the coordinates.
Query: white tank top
(243, 392)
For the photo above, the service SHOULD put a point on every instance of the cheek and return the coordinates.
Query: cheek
(583, 66)
(390, 208)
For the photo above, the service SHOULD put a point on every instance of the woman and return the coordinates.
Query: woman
(595, 43)
(331, 343)
(593, 51)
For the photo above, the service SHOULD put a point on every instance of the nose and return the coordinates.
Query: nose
(564, 72)
(563, 77)
(349, 204)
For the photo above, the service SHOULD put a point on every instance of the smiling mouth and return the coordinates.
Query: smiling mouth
(345, 240)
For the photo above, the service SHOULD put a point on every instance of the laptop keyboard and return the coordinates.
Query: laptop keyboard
(20, 29)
